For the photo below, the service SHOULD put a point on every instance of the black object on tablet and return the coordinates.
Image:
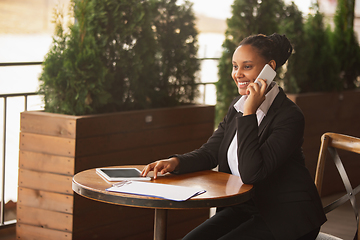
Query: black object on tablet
(120, 174)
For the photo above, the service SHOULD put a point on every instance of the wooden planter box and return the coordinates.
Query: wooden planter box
(54, 147)
(330, 112)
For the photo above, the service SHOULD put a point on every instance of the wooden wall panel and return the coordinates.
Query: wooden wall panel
(139, 155)
(44, 218)
(329, 112)
(46, 162)
(85, 205)
(45, 181)
(184, 220)
(53, 147)
(136, 229)
(29, 232)
(133, 140)
(48, 124)
(103, 124)
(115, 229)
(143, 235)
(106, 214)
(45, 200)
(179, 215)
(47, 144)
(180, 222)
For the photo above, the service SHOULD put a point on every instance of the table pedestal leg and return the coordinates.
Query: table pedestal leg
(160, 224)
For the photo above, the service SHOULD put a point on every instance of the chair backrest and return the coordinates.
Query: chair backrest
(330, 142)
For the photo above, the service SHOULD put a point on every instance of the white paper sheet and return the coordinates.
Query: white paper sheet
(166, 191)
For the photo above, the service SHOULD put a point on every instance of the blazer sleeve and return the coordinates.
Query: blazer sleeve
(260, 156)
(207, 156)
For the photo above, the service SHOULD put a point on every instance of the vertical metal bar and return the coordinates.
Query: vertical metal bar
(2, 217)
(26, 99)
(204, 97)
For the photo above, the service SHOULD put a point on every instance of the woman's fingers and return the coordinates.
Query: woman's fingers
(162, 167)
(157, 167)
(255, 97)
(263, 85)
(147, 169)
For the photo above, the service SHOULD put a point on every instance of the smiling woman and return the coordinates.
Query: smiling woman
(259, 140)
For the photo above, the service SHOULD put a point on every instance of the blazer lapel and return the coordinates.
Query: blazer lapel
(272, 111)
(228, 137)
(232, 128)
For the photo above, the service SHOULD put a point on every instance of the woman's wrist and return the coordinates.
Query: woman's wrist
(176, 163)
(246, 113)
(249, 111)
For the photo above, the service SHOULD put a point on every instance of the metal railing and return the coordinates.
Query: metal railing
(5, 97)
(25, 95)
(12, 64)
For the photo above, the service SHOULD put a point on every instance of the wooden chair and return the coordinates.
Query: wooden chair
(329, 143)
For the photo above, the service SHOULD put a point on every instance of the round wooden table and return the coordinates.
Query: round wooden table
(222, 190)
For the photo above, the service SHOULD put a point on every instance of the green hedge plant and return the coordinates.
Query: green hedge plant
(346, 45)
(121, 55)
(323, 59)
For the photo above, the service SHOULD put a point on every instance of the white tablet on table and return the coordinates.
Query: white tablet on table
(121, 174)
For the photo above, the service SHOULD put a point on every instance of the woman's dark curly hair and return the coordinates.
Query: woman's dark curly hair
(274, 47)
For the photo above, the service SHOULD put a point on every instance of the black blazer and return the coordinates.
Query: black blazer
(270, 157)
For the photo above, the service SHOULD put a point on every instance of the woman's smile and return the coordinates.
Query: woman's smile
(243, 84)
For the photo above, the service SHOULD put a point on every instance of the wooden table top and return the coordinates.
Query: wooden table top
(222, 189)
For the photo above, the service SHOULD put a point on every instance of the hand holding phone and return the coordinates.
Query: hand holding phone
(268, 74)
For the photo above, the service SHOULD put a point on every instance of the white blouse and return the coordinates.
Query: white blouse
(260, 114)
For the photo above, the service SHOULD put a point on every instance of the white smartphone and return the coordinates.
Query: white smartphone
(268, 74)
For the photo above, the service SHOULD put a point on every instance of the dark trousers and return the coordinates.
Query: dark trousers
(239, 222)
